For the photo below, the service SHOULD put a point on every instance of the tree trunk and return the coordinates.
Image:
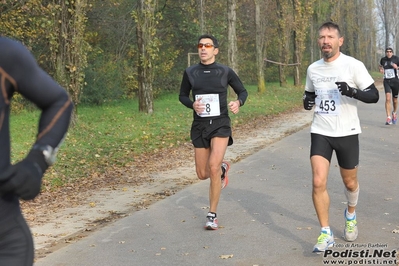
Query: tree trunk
(297, 58)
(302, 16)
(145, 18)
(232, 37)
(285, 30)
(69, 49)
(386, 24)
(259, 40)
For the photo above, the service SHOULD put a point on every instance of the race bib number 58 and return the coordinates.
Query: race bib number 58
(328, 102)
(212, 106)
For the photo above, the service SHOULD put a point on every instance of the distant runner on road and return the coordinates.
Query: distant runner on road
(334, 84)
(389, 67)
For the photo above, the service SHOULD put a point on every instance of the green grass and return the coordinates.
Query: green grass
(376, 75)
(109, 137)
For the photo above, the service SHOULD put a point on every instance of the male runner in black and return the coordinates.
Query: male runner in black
(389, 67)
(19, 72)
(211, 133)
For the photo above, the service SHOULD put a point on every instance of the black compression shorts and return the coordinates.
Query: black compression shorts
(203, 131)
(391, 86)
(346, 149)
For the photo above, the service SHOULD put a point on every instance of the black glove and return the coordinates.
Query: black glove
(309, 100)
(344, 88)
(24, 178)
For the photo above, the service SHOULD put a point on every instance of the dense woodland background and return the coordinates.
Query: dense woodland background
(107, 50)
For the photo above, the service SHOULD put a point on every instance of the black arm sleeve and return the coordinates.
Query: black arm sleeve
(368, 95)
(185, 88)
(33, 83)
(238, 87)
(41, 89)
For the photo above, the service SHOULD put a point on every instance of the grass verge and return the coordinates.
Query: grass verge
(110, 137)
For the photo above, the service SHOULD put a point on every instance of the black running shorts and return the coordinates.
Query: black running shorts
(346, 149)
(203, 131)
(392, 86)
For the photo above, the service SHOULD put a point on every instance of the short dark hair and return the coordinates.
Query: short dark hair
(208, 36)
(389, 49)
(330, 25)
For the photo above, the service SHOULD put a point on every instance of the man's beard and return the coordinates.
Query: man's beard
(328, 55)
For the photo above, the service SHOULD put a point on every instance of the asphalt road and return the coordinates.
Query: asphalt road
(266, 215)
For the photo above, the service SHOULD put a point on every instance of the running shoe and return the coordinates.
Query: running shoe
(350, 231)
(211, 222)
(225, 178)
(323, 242)
(394, 118)
(389, 121)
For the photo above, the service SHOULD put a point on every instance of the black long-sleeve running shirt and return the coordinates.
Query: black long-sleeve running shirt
(210, 79)
(19, 72)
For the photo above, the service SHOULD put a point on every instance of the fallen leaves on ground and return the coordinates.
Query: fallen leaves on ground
(139, 172)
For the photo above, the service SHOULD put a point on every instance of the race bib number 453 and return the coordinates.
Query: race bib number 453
(212, 106)
(328, 101)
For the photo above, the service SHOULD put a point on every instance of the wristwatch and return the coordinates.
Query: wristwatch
(48, 152)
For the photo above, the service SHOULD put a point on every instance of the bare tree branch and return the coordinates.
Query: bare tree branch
(279, 63)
